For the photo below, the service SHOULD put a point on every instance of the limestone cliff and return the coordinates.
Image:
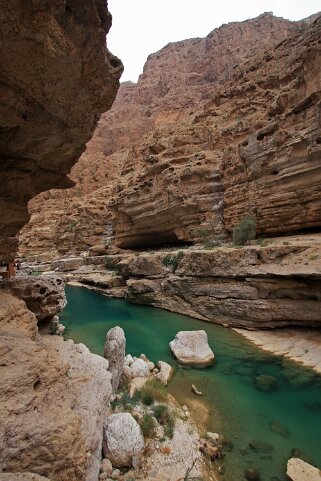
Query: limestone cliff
(56, 78)
(212, 129)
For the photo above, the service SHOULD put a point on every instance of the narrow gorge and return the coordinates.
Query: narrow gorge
(136, 191)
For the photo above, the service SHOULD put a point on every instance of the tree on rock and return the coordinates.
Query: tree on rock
(245, 230)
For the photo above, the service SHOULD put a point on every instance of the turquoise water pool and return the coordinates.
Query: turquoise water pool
(286, 417)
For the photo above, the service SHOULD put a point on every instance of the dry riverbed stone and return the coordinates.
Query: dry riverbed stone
(191, 348)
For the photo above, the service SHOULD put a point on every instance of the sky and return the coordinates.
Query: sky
(141, 27)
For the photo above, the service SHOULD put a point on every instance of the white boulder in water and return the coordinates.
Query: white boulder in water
(191, 348)
(298, 470)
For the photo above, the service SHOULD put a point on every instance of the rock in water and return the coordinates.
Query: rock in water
(266, 383)
(252, 474)
(279, 428)
(122, 440)
(114, 352)
(191, 348)
(298, 470)
(165, 372)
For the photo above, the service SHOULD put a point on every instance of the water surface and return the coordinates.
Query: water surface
(286, 417)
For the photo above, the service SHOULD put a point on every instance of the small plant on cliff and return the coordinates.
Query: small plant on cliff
(110, 263)
(173, 260)
(153, 390)
(147, 425)
(245, 230)
(166, 418)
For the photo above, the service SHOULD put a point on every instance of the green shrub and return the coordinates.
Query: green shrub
(245, 230)
(109, 263)
(147, 425)
(153, 390)
(166, 418)
(173, 260)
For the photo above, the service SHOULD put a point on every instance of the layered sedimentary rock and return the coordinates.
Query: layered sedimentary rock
(251, 288)
(53, 400)
(57, 77)
(213, 128)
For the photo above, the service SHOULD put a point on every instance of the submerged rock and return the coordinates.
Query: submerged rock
(114, 352)
(298, 470)
(252, 474)
(261, 447)
(191, 348)
(280, 429)
(266, 383)
(122, 440)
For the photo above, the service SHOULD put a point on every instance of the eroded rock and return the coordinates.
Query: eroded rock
(114, 352)
(191, 348)
(44, 295)
(123, 439)
(298, 470)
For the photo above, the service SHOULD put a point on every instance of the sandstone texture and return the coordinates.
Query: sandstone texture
(298, 470)
(21, 477)
(191, 348)
(44, 295)
(213, 128)
(114, 352)
(53, 400)
(57, 77)
(123, 439)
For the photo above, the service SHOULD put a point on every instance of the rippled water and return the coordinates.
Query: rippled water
(286, 417)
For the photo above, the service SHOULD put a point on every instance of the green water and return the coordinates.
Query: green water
(237, 407)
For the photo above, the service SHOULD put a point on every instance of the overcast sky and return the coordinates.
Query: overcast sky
(141, 27)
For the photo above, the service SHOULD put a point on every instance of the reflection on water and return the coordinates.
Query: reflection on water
(267, 407)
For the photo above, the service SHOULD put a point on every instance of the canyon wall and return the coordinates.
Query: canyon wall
(57, 77)
(213, 128)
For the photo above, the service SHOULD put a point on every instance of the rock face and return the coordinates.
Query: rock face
(298, 470)
(252, 287)
(57, 77)
(53, 400)
(114, 352)
(123, 439)
(231, 121)
(191, 348)
(21, 477)
(44, 295)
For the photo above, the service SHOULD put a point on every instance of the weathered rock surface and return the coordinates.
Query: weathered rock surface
(165, 372)
(232, 121)
(252, 287)
(44, 295)
(53, 400)
(114, 352)
(298, 470)
(123, 439)
(57, 77)
(139, 368)
(191, 348)
(21, 477)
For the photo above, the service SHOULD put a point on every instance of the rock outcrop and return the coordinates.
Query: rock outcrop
(231, 121)
(298, 470)
(53, 400)
(123, 439)
(57, 77)
(191, 348)
(44, 295)
(21, 477)
(114, 352)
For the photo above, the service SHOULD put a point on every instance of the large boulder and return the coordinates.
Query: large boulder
(44, 295)
(139, 368)
(122, 439)
(165, 372)
(191, 348)
(114, 352)
(298, 470)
